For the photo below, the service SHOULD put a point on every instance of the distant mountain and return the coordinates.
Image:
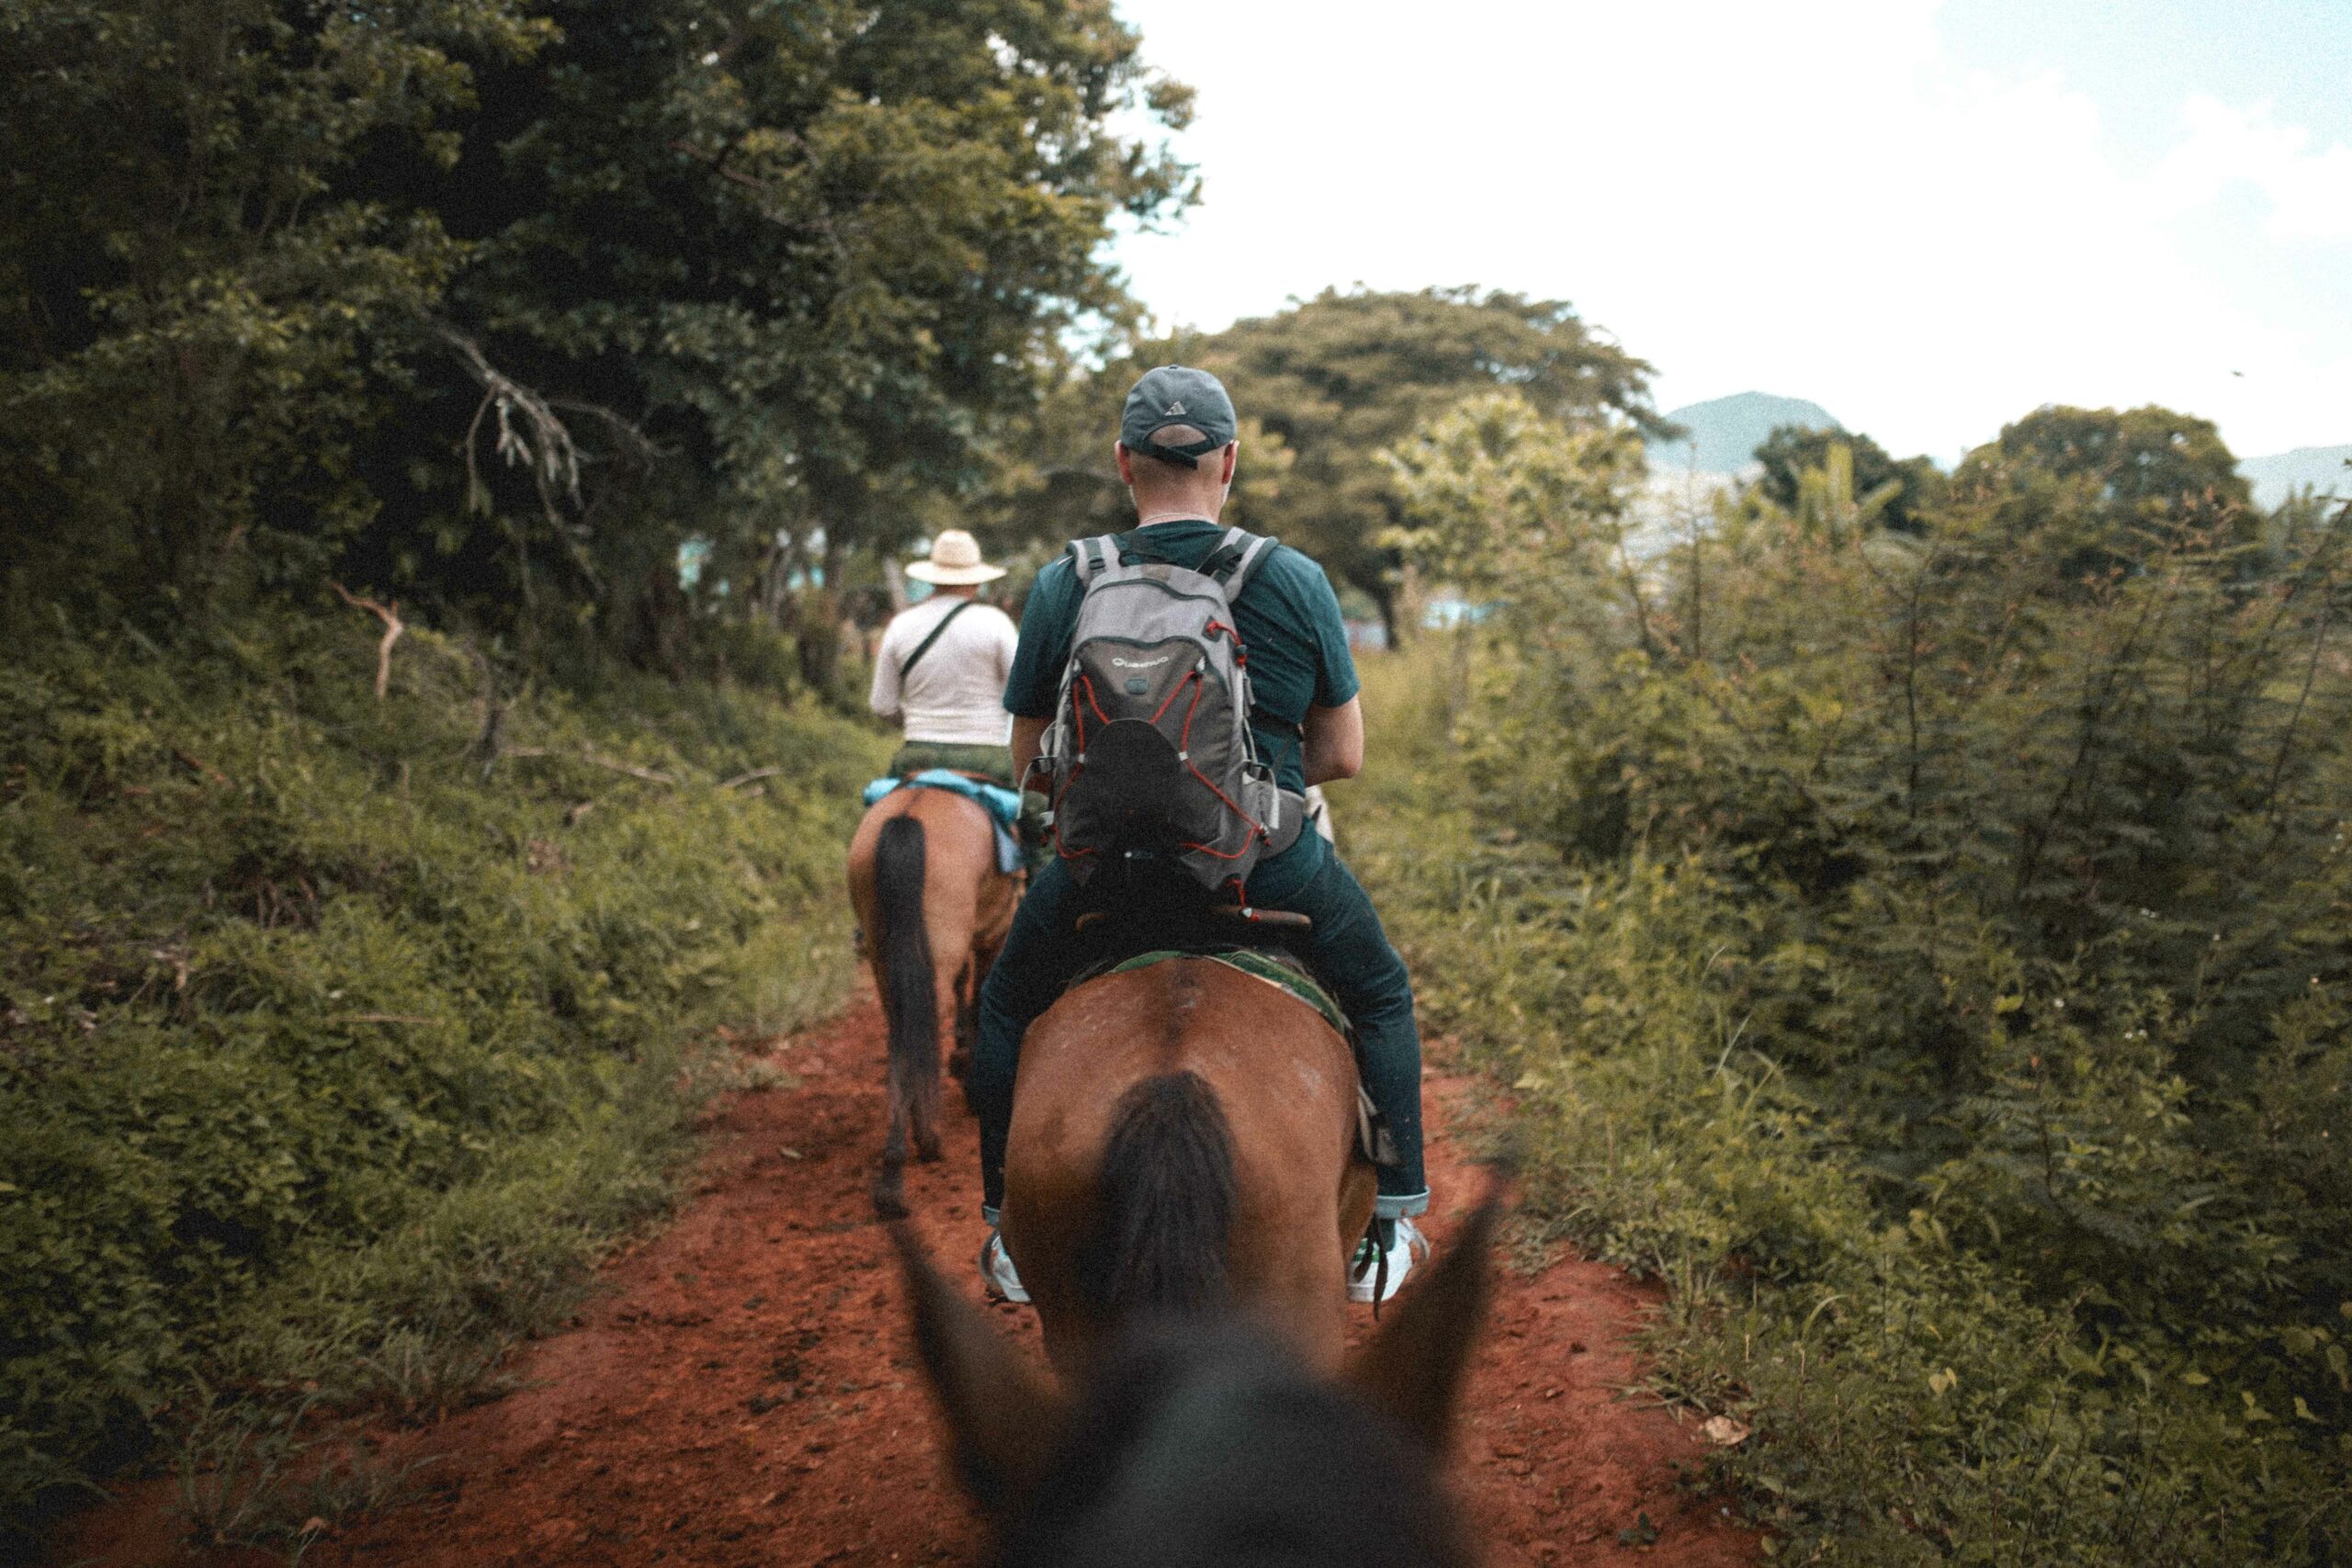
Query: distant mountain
(2277, 477)
(1725, 431)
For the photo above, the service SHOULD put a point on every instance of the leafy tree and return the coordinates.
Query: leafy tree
(197, 306)
(1505, 506)
(2097, 493)
(2144, 457)
(821, 250)
(499, 302)
(1791, 450)
(1341, 378)
(1498, 501)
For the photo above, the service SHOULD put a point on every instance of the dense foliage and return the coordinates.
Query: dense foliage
(1793, 451)
(496, 303)
(339, 1033)
(1935, 958)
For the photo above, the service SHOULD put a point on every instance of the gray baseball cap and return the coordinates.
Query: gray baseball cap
(1188, 401)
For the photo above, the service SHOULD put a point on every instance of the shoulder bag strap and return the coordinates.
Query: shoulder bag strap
(1235, 559)
(924, 646)
(1090, 556)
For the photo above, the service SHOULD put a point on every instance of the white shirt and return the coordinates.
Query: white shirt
(955, 696)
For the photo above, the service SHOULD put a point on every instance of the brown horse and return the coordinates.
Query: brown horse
(923, 878)
(1183, 1140)
(1206, 1440)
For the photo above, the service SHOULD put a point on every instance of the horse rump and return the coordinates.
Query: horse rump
(911, 1005)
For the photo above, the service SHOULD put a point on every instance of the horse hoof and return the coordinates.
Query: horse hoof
(928, 1152)
(890, 1200)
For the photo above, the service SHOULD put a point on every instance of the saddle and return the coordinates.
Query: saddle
(1003, 805)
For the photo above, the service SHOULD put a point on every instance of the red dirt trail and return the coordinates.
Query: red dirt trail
(743, 1392)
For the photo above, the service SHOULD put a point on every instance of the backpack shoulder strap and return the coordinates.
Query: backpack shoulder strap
(924, 646)
(1237, 558)
(1090, 556)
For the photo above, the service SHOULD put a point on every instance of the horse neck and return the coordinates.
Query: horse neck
(1167, 1202)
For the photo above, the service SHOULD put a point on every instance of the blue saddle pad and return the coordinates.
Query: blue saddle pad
(1003, 806)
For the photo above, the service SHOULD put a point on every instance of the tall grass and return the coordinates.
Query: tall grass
(340, 1037)
(1918, 1391)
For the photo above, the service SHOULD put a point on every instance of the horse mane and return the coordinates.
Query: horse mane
(1167, 1187)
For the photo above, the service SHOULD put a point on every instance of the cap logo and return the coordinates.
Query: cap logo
(1175, 408)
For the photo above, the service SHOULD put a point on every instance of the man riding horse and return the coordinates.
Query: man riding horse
(932, 874)
(1177, 452)
(941, 664)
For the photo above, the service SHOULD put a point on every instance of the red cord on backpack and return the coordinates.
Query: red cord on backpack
(1184, 746)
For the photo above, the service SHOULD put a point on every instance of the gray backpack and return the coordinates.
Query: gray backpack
(1149, 749)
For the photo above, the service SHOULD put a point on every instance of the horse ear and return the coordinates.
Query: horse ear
(1412, 1368)
(1004, 1416)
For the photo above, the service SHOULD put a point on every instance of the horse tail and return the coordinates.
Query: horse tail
(1167, 1200)
(910, 1001)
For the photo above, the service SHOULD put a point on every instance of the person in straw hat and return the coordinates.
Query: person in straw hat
(942, 666)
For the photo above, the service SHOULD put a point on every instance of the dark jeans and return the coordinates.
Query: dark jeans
(1347, 950)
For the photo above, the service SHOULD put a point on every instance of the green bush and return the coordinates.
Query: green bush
(1936, 968)
(336, 1037)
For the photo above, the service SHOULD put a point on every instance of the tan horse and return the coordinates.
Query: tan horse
(1184, 1141)
(923, 878)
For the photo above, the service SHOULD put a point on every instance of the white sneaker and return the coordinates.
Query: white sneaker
(1364, 1273)
(997, 1271)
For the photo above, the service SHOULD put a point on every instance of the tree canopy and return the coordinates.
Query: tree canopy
(498, 301)
(2099, 492)
(2147, 460)
(1792, 451)
(1335, 382)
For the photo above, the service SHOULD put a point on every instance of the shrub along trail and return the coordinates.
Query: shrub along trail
(744, 1390)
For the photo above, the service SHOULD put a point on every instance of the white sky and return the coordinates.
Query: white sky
(1930, 218)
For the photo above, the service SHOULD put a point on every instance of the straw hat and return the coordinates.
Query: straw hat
(955, 561)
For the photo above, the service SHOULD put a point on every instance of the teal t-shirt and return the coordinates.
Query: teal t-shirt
(1287, 614)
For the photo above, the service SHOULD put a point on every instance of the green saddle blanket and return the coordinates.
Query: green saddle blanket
(1273, 968)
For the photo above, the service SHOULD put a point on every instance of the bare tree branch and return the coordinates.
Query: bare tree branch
(642, 448)
(554, 460)
(392, 629)
(199, 767)
(529, 434)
